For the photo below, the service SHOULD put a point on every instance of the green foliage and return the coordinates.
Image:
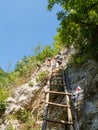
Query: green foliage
(4, 90)
(31, 84)
(3, 96)
(37, 50)
(78, 59)
(79, 23)
(24, 70)
(57, 44)
(42, 77)
(3, 105)
(30, 124)
(10, 127)
(4, 79)
(25, 66)
(46, 52)
(23, 115)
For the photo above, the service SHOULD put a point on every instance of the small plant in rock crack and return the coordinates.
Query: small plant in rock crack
(23, 115)
(30, 124)
(31, 84)
(3, 96)
(42, 77)
(10, 127)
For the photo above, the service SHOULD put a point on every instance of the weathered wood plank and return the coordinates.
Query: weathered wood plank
(61, 93)
(52, 84)
(56, 104)
(56, 78)
(60, 121)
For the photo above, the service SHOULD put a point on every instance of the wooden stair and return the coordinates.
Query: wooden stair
(67, 106)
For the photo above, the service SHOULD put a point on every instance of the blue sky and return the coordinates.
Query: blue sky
(24, 23)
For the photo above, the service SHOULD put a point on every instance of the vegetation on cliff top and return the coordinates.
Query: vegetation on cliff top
(78, 26)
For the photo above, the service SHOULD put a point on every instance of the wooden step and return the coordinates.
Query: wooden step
(58, 75)
(59, 67)
(56, 78)
(58, 105)
(59, 121)
(61, 93)
(56, 85)
(57, 70)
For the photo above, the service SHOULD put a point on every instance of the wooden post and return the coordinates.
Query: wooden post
(69, 111)
(44, 125)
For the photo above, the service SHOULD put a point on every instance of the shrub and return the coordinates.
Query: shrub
(3, 105)
(23, 115)
(3, 95)
(31, 84)
(42, 77)
(30, 125)
(78, 59)
(10, 127)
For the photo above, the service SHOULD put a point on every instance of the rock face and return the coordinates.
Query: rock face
(31, 97)
(86, 76)
(25, 97)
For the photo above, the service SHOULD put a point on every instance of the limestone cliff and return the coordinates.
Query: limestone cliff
(27, 100)
(86, 76)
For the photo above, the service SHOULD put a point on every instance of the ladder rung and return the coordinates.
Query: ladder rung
(56, 70)
(59, 67)
(56, 104)
(56, 78)
(54, 92)
(56, 84)
(59, 121)
(57, 75)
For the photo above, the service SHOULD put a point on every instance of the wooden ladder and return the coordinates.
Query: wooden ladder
(57, 86)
